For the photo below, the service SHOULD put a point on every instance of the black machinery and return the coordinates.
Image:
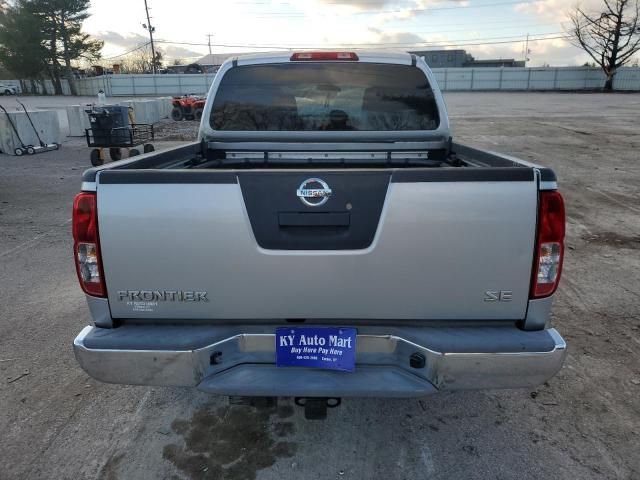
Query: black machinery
(113, 127)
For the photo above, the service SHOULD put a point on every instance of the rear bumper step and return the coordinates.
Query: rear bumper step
(232, 360)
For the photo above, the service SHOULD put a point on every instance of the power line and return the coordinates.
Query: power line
(372, 46)
(368, 46)
(365, 46)
(208, 44)
(564, 37)
(127, 52)
(392, 44)
(197, 44)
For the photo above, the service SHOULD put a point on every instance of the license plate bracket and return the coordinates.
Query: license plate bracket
(331, 348)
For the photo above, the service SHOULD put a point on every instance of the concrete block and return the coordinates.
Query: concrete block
(126, 103)
(145, 111)
(161, 109)
(153, 108)
(149, 111)
(78, 120)
(130, 104)
(63, 121)
(165, 106)
(47, 123)
(62, 118)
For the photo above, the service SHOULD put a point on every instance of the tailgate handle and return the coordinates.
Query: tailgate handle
(315, 219)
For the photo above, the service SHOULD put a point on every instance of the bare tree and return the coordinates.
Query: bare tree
(141, 60)
(610, 37)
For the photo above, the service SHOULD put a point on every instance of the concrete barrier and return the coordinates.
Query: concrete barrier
(130, 104)
(164, 104)
(153, 107)
(47, 123)
(63, 121)
(78, 120)
(145, 111)
(169, 105)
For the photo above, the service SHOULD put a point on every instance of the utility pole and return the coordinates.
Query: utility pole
(526, 50)
(209, 42)
(151, 30)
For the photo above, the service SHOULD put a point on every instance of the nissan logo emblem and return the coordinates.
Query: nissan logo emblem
(314, 192)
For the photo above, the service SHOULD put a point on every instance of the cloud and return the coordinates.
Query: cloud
(387, 10)
(392, 38)
(370, 4)
(557, 10)
(410, 10)
(128, 41)
(557, 53)
(173, 51)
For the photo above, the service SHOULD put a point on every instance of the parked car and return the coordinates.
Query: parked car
(8, 89)
(324, 238)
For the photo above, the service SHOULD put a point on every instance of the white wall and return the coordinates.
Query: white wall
(449, 79)
(520, 79)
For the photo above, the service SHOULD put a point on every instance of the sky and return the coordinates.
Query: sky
(485, 28)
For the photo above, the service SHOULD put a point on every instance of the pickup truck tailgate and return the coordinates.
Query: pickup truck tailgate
(387, 244)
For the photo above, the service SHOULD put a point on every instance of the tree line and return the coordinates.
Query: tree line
(41, 38)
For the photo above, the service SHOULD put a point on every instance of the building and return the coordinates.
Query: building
(191, 68)
(216, 58)
(501, 62)
(462, 59)
(445, 58)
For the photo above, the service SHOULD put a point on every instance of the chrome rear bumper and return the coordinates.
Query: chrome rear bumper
(243, 362)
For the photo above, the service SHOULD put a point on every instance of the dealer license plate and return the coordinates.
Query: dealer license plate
(317, 347)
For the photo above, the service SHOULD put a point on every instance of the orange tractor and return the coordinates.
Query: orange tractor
(187, 107)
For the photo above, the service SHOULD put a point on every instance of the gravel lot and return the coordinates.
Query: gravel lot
(57, 423)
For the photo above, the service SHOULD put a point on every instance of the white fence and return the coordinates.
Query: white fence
(522, 79)
(449, 79)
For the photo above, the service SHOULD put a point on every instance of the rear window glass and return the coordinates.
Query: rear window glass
(324, 96)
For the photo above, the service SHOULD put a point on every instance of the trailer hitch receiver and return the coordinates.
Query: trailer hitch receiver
(315, 408)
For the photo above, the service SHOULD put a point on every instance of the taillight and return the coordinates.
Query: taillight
(86, 245)
(324, 56)
(549, 245)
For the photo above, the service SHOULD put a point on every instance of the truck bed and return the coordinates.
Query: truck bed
(408, 239)
(450, 161)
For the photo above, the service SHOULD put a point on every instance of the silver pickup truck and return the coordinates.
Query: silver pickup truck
(324, 238)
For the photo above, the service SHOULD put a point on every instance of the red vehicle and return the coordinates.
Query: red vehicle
(187, 107)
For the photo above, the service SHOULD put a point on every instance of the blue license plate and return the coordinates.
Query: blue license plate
(318, 347)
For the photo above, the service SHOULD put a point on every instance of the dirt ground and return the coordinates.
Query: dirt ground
(57, 423)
